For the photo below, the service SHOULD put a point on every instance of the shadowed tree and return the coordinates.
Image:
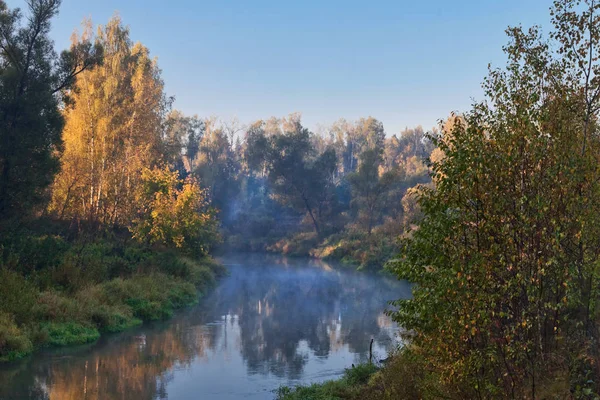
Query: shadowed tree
(34, 82)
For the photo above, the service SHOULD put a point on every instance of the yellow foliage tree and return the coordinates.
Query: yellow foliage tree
(112, 132)
(175, 213)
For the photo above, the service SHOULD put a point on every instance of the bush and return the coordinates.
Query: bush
(53, 306)
(14, 343)
(70, 333)
(348, 387)
(27, 252)
(83, 288)
(17, 295)
(108, 318)
(360, 374)
(403, 377)
(150, 297)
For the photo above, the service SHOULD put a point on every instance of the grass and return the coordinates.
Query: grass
(404, 377)
(352, 247)
(70, 333)
(83, 292)
(348, 387)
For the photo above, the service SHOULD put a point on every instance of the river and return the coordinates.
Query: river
(273, 321)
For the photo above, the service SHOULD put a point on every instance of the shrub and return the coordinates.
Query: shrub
(360, 374)
(17, 295)
(14, 343)
(56, 307)
(150, 297)
(107, 317)
(27, 252)
(70, 333)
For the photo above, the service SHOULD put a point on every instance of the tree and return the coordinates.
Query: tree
(34, 82)
(113, 131)
(216, 167)
(369, 186)
(505, 260)
(299, 178)
(174, 213)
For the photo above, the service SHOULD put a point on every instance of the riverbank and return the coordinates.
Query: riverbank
(354, 248)
(58, 291)
(402, 377)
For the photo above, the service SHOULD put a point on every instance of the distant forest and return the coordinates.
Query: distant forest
(346, 192)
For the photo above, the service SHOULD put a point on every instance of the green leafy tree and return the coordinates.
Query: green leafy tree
(34, 81)
(299, 177)
(505, 260)
(216, 167)
(370, 186)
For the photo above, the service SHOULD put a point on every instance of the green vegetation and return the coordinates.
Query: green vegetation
(99, 229)
(349, 386)
(344, 195)
(402, 378)
(504, 260)
(83, 289)
(109, 202)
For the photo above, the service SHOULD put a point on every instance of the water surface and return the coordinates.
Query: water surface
(273, 321)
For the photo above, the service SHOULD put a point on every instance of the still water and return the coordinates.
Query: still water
(273, 321)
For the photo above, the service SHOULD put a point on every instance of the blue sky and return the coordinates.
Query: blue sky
(403, 62)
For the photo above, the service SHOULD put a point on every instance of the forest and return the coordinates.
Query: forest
(105, 185)
(113, 202)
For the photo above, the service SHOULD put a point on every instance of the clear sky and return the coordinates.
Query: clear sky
(406, 63)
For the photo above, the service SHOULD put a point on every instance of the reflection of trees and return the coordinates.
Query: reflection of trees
(274, 317)
(135, 367)
(278, 308)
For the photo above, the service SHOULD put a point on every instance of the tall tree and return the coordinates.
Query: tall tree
(300, 178)
(216, 167)
(34, 81)
(112, 133)
(505, 260)
(370, 185)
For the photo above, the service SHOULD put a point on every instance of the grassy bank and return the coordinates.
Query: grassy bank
(58, 292)
(352, 245)
(353, 248)
(402, 378)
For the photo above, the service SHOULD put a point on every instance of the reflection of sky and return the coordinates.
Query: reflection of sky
(272, 322)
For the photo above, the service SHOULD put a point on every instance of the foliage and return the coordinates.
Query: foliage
(176, 213)
(302, 193)
(88, 287)
(33, 81)
(70, 333)
(348, 387)
(113, 131)
(14, 343)
(298, 178)
(17, 295)
(369, 187)
(505, 260)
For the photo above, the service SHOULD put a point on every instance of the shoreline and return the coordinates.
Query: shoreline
(113, 306)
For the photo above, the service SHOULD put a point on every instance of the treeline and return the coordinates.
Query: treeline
(98, 229)
(344, 192)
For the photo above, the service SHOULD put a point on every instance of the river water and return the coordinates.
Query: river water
(273, 321)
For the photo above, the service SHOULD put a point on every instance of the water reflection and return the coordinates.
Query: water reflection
(273, 321)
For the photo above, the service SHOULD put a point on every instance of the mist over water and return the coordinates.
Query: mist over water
(273, 321)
